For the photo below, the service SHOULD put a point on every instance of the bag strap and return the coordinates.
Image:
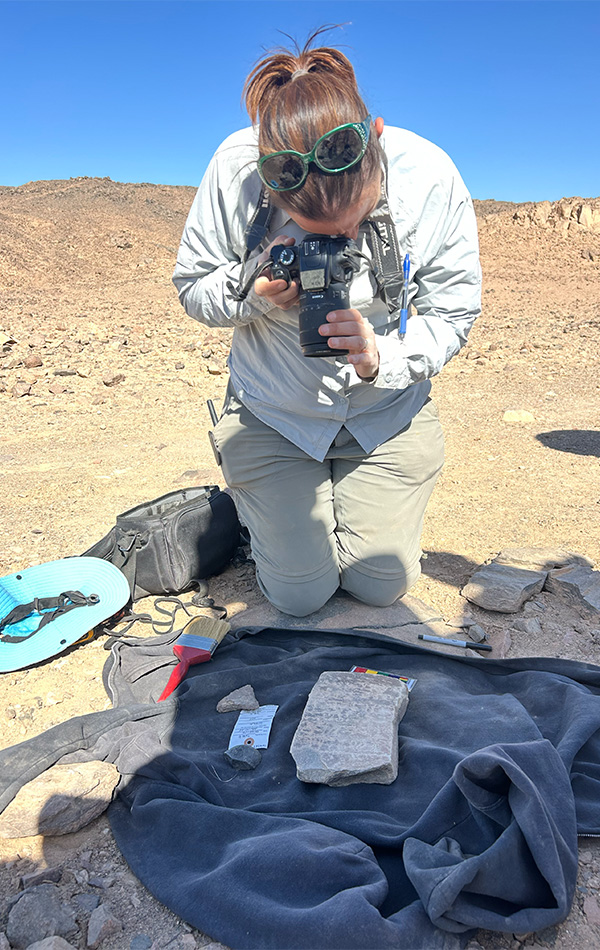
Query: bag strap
(56, 607)
(165, 626)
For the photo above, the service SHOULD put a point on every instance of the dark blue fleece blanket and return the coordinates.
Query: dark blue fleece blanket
(499, 771)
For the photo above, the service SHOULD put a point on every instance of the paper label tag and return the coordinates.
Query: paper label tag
(253, 727)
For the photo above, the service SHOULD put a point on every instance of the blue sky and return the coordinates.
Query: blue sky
(145, 91)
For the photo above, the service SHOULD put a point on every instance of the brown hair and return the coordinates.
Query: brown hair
(297, 96)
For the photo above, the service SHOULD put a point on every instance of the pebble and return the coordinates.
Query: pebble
(531, 625)
(243, 757)
(476, 633)
(86, 902)
(112, 379)
(42, 876)
(238, 699)
(140, 942)
(102, 882)
(591, 909)
(50, 943)
(102, 924)
(518, 415)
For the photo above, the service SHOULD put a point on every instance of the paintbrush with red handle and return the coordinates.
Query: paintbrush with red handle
(195, 644)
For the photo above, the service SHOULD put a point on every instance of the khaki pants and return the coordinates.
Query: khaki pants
(352, 521)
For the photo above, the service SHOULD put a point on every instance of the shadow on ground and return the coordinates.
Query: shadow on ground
(575, 441)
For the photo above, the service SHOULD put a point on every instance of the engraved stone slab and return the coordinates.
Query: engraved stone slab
(349, 730)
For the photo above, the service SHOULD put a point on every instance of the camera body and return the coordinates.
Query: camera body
(325, 269)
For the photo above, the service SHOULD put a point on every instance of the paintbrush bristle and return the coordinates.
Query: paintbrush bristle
(207, 627)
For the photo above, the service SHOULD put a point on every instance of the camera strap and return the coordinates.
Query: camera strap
(382, 241)
(256, 231)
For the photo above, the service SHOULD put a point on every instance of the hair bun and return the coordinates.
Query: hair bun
(282, 66)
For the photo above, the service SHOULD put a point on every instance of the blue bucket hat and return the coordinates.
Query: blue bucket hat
(47, 608)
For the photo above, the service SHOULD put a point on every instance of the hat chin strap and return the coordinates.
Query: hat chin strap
(56, 607)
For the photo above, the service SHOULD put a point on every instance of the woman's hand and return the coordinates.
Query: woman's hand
(348, 330)
(277, 291)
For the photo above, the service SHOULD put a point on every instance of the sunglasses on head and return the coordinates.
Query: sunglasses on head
(334, 152)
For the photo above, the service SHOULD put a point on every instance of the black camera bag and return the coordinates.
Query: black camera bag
(170, 544)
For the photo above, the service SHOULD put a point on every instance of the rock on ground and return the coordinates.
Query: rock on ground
(61, 800)
(37, 914)
(502, 588)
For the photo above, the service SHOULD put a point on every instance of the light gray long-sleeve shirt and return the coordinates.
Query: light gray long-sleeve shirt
(308, 400)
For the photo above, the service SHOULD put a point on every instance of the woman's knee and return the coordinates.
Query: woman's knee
(379, 590)
(299, 598)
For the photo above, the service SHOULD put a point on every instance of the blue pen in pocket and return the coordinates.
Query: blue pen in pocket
(404, 309)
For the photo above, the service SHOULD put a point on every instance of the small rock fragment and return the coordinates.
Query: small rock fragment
(50, 943)
(42, 876)
(242, 698)
(476, 633)
(591, 909)
(30, 362)
(102, 924)
(140, 942)
(86, 902)
(502, 588)
(530, 625)
(112, 379)
(461, 621)
(243, 757)
(21, 388)
(518, 415)
(349, 730)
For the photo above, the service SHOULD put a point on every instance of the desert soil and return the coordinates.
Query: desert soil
(103, 388)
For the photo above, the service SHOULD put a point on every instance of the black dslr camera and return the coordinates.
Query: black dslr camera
(325, 266)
